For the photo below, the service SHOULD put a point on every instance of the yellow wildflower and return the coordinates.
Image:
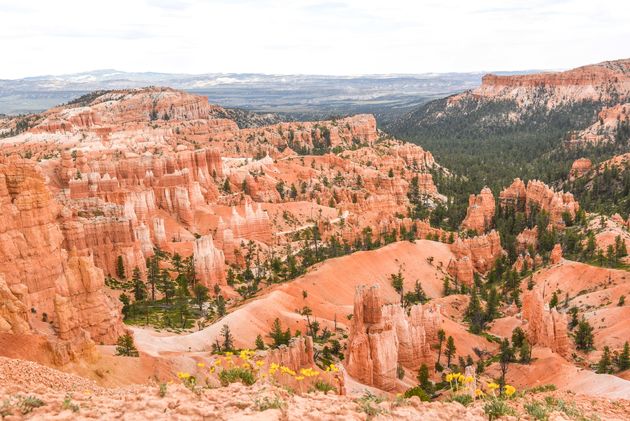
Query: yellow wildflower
(479, 393)
(183, 375)
(509, 390)
(492, 386)
(260, 363)
(299, 378)
(229, 354)
(202, 365)
(469, 379)
(449, 377)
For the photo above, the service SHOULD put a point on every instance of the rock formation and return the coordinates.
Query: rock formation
(478, 253)
(579, 168)
(382, 337)
(298, 354)
(537, 195)
(545, 327)
(480, 211)
(65, 291)
(556, 254)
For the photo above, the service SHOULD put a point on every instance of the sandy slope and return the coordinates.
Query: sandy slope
(330, 287)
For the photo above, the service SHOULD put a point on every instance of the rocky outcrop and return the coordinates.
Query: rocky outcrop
(298, 354)
(480, 211)
(538, 196)
(527, 239)
(604, 82)
(544, 327)
(579, 168)
(482, 251)
(556, 254)
(605, 130)
(209, 262)
(66, 292)
(383, 337)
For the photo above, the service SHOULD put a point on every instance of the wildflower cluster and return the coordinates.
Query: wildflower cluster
(247, 368)
(456, 380)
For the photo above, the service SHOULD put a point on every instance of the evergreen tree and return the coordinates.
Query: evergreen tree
(228, 339)
(423, 379)
(278, 336)
(605, 364)
(450, 350)
(573, 311)
(441, 337)
(201, 295)
(584, 336)
(397, 281)
(166, 286)
(525, 352)
(624, 358)
(518, 337)
(220, 303)
(260, 344)
(153, 273)
(120, 268)
(554, 300)
(126, 347)
(475, 314)
(506, 355)
(492, 306)
(139, 288)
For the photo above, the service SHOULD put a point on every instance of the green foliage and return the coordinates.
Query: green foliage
(419, 392)
(237, 374)
(259, 343)
(624, 358)
(496, 408)
(67, 404)
(277, 335)
(537, 410)
(584, 336)
(264, 403)
(323, 386)
(126, 347)
(26, 404)
(450, 350)
(369, 403)
(604, 366)
(463, 399)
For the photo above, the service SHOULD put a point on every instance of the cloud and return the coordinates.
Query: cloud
(309, 36)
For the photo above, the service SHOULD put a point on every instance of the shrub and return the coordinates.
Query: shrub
(542, 388)
(323, 386)
(126, 347)
(162, 390)
(266, 402)
(368, 403)
(237, 374)
(68, 404)
(419, 392)
(496, 408)
(28, 403)
(463, 399)
(537, 411)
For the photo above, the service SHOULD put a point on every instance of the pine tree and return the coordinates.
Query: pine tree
(525, 352)
(220, 303)
(139, 288)
(584, 336)
(397, 281)
(518, 337)
(475, 313)
(201, 295)
(441, 337)
(506, 355)
(153, 273)
(554, 300)
(126, 347)
(423, 379)
(604, 365)
(120, 268)
(166, 286)
(228, 339)
(492, 306)
(279, 336)
(450, 350)
(624, 357)
(260, 344)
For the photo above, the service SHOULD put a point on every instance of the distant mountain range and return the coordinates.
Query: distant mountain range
(297, 94)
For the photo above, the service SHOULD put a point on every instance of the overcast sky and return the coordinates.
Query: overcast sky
(308, 36)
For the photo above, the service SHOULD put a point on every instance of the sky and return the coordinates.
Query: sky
(336, 37)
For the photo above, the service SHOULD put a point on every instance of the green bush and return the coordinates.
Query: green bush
(419, 392)
(496, 408)
(323, 386)
(237, 374)
(28, 403)
(463, 399)
(537, 411)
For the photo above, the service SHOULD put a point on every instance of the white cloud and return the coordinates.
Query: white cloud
(308, 36)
